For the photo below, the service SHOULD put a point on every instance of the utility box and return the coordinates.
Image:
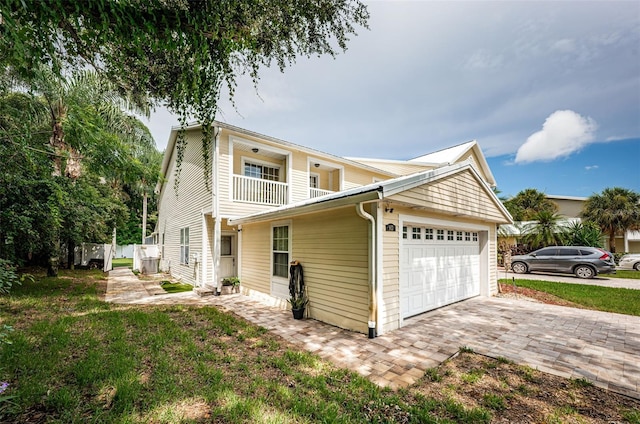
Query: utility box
(149, 266)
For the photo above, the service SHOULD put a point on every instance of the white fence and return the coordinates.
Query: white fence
(125, 251)
(94, 255)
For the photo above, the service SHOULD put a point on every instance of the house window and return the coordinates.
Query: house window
(440, 234)
(313, 180)
(475, 236)
(428, 234)
(416, 233)
(467, 236)
(450, 235)
(262, 172)
(404, 232)
(184, 246)
(226, 248)
(281, 251)
(459, 235)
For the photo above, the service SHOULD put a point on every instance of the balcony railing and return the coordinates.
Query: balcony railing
(256, 190)
(316, 192)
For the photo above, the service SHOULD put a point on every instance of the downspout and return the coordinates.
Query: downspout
(373, 302)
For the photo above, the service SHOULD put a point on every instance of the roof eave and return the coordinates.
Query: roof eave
(309, 207)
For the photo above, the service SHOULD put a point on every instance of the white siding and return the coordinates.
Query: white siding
(184, 208)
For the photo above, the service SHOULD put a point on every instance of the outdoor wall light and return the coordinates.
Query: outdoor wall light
(254, 150)
(317, 165)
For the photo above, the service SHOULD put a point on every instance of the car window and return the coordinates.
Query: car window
(568, 252)
(546, 252)
(585, 252)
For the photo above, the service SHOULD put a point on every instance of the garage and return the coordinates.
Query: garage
(438, 266)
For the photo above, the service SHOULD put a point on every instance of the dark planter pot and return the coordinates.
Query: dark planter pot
(298, 313)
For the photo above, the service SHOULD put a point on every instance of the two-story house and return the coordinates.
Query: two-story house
(379, 240)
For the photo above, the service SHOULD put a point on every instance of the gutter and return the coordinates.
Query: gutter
(373, 280)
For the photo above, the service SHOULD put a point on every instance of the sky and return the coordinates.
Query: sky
(550, 90)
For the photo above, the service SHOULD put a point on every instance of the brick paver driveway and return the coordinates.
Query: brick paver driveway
(577, 343)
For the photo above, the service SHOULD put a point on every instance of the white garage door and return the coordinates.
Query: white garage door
(438, 266)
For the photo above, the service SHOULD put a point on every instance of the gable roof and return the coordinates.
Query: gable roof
(375, 191)
(454, 154)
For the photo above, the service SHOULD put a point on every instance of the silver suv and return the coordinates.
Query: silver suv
(584, 262)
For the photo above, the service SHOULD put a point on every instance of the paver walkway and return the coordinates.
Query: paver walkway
(601, 347)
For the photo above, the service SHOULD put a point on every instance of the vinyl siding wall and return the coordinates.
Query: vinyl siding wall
(333, 250)
(184, 210)
(391, 271)
(459, 194)
(301, 166)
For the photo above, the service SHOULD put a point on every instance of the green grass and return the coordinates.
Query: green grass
(624, 273)
(77, 359)
(128, 262)
(175, 287)
(74, 358)
(608, 299)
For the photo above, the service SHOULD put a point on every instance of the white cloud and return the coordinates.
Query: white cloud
(564, 132)
(590, 167)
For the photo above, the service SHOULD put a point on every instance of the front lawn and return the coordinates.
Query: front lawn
(77, 359)
(118, 262)
(608, 299)
(624, 273)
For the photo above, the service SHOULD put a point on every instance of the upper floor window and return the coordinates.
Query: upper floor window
(264, 172)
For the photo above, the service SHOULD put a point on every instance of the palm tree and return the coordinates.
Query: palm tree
(545, 230)
(583, 234)
(615, 211)
(89, 128)
(526, 204)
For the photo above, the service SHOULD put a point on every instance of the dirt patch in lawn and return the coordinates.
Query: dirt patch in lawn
(511, 291)
(519, 394)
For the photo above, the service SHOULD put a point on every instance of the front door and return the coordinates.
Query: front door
(228, 256)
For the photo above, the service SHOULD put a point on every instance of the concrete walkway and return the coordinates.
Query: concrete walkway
(574, 343)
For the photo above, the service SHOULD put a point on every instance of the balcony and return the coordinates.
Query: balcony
(316, 192)
(259, 191)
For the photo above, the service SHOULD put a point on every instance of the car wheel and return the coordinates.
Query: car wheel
(636, 266)
(519, 267)
(584, 271)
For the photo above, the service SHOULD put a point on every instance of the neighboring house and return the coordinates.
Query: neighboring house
(379, 241)
(570, 207)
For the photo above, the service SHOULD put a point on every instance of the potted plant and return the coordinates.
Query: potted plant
(230, 285)
(297, 295)
(298, 305)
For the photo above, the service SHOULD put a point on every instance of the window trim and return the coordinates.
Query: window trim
(317, 177)
(286, 223)
(185, 243)
(257, 162)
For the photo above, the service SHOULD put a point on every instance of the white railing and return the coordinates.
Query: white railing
(316, 192)
(256, 190)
